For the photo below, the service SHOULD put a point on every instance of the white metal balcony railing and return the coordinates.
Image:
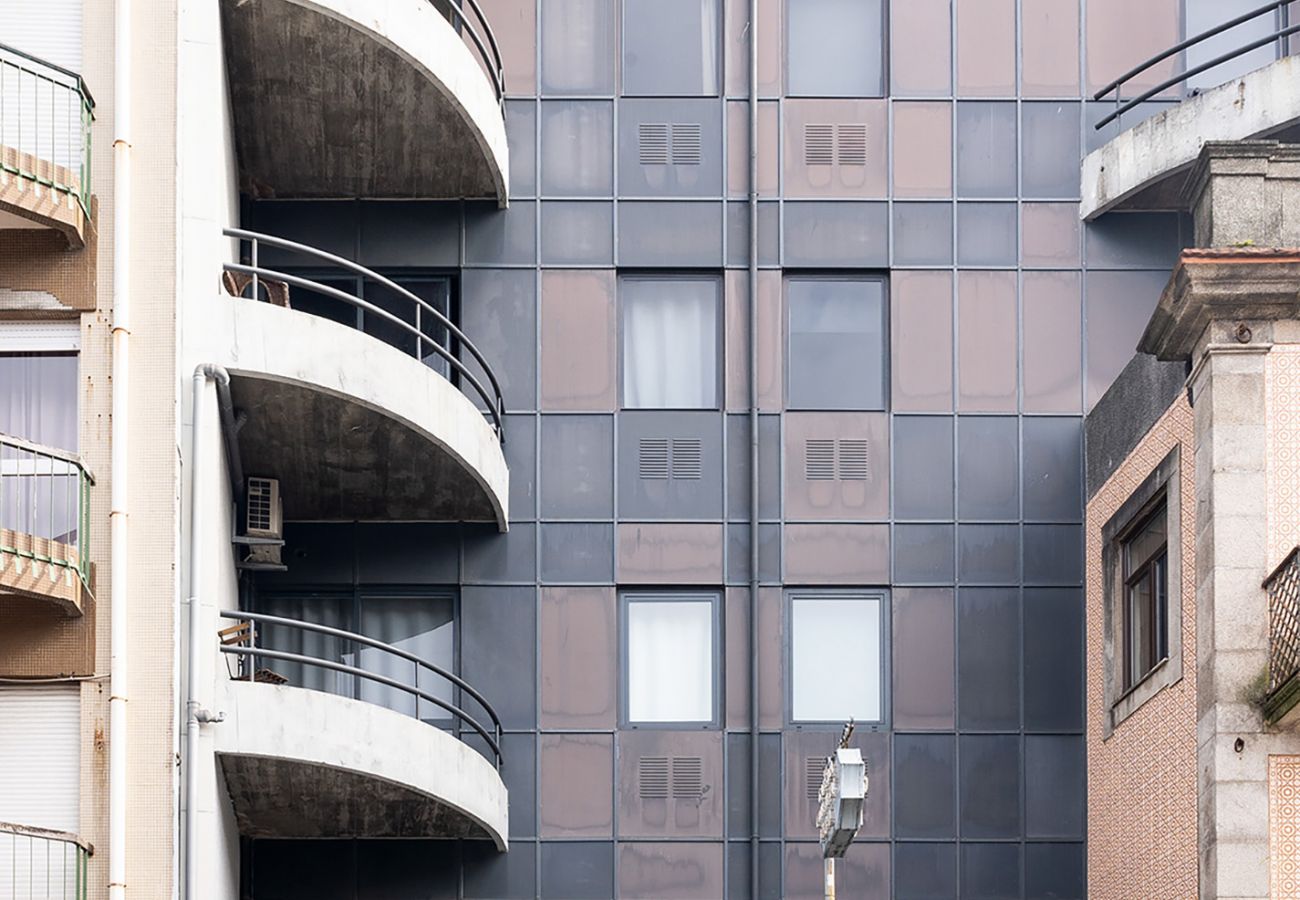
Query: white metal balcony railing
(38, 864)
(44, 506)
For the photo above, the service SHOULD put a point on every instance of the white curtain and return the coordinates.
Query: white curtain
(330, 611)
(422, 626)
(670, 661)
(38, 403)
(835, 658)
(669, 343)
(709, 46)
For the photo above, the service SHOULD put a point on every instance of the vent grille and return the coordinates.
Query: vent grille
(653, 143)
(818, 145)
(688, 778)
(852, 144)
(855, 460)
(688, 458)
(659, 459)
(812, 779)
(819, 459)
(679, 143)
(652, 777)
(826, 144)
(848, 459)
(652, 458)
(686, 144)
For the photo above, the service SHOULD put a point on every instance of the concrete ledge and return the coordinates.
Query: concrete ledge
(25, 574)
(42, 205)
(303, 763)
(1165, 145)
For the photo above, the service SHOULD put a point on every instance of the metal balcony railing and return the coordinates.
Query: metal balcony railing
(45, 116)
(44, 495)
(384, 668)
(418, 325)
(1278, 9)
(481, 38)
(1283, 587)
(38, 864)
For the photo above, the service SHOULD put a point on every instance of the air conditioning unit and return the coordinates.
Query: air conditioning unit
(264, 520)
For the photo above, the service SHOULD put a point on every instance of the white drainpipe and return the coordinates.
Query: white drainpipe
(120, 468)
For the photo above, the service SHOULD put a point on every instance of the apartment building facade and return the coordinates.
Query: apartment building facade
(510, 438)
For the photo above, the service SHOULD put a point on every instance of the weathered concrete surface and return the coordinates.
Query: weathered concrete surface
(353, 428)
(1164, 146)
(303, 763)
(1246, 193)
(360, 98)
(1134, 402)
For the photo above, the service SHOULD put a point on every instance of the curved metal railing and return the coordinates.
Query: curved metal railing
(39, 864)
(1284, 30)
(489, 53)
(252, 651)
(423, 312)
(44, 494)
(45, 116)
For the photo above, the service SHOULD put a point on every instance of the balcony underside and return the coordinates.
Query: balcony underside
(350, 98)
(1144, 168)
(25, 574)
(31, 203)
(304, 764)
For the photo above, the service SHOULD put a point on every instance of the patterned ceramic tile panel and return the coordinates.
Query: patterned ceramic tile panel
(1284, 826)
(1282, 402)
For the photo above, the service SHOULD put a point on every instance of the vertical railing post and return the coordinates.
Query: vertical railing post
(253, 256)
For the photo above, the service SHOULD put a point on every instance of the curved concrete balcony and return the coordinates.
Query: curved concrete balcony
(395, 416)
(361, 98)
(308, 763)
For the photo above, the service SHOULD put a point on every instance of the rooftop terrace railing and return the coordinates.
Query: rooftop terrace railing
(45, 116)
(481, 37)
(420, 317)
(1283, 587)
(1278, 8)
(44, 494)
(389, 659)
(38, 864)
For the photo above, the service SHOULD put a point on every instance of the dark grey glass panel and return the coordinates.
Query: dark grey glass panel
(986, 234)
(769, 234)
(521, 138)
(325, 554)
(854, 235)
(1050, 148)
(679, 235)
(390, 868)
(923, 652)
(1054, 786)
(1054, 872)
(1053, 554)
(836, 48)
(769, 871)
(923, 554)
(738, 792)
(1119, 305)
(498, 653)
(1053, 468)
(671, 47)
(282, 869)
(769, 780)
(986, 149)
(498, 312)
(577, 467)
(769, 460)
(518, 771)
(837, 343)
(521, 453)
(577, 233)
(1133, 241)
(689, 162)
(1053, 659)
(924, 786)
(990, 871)
(492, 558)
(988, 554)
(690, 436)
(923, 483)
(578, 46)
(329, 225)
(577, 148)
(577, 553)
(574, 870)
(408, 234)
(925, 872)
(738, 870)
(922, 234)
(988, 469)
(769, 553)
(386, 553)
(988, 658)
(500, 236)
(990, 786)
(490, 875)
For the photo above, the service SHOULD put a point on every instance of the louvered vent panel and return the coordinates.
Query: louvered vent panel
(855, 460)
(688, 777)
(813, 768)
(819, 460)
(818, 144)
(687, 458)
(653, 143)
(652, 777)
(686, 143)
(652, 458)
(851, 143)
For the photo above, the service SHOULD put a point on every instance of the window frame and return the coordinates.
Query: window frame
(885, 337)
(1124, 693)
(787, 45)
(882, 597)
(719, 335)
(1152, 570)
(670, 595)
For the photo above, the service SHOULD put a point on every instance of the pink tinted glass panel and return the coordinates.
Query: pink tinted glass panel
(804, 179)
(576, 787)
(1049, 41)
(921, 47)
(1053, 372)
(769, 48)
(669, 553)
(1049, 235)
(922, 341)
(670, 871)
(986, 48)
(1122, 34)
(986, 323)
(579, 657)
(770, 351)
(863, 871)
(923, 658)
(837, 554)
(738, 149)
(514, 22)
(696, 814)
(578, 330)
(922, 149)
(769, 658)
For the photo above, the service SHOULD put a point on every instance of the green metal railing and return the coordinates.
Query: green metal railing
(45, 493)
(45, 115)
(38, 864)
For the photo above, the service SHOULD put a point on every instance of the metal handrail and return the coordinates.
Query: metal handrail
(493, 400)
(493, 739)
(489, 54)
(45, 875)
(1279, 35)
(29, 507)
(18, 69)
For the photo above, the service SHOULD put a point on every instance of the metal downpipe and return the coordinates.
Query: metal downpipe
(753, 453)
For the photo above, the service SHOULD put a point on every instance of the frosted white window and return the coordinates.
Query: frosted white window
(835, 657)
(670, 354)
(670, 660)
(670, 47)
